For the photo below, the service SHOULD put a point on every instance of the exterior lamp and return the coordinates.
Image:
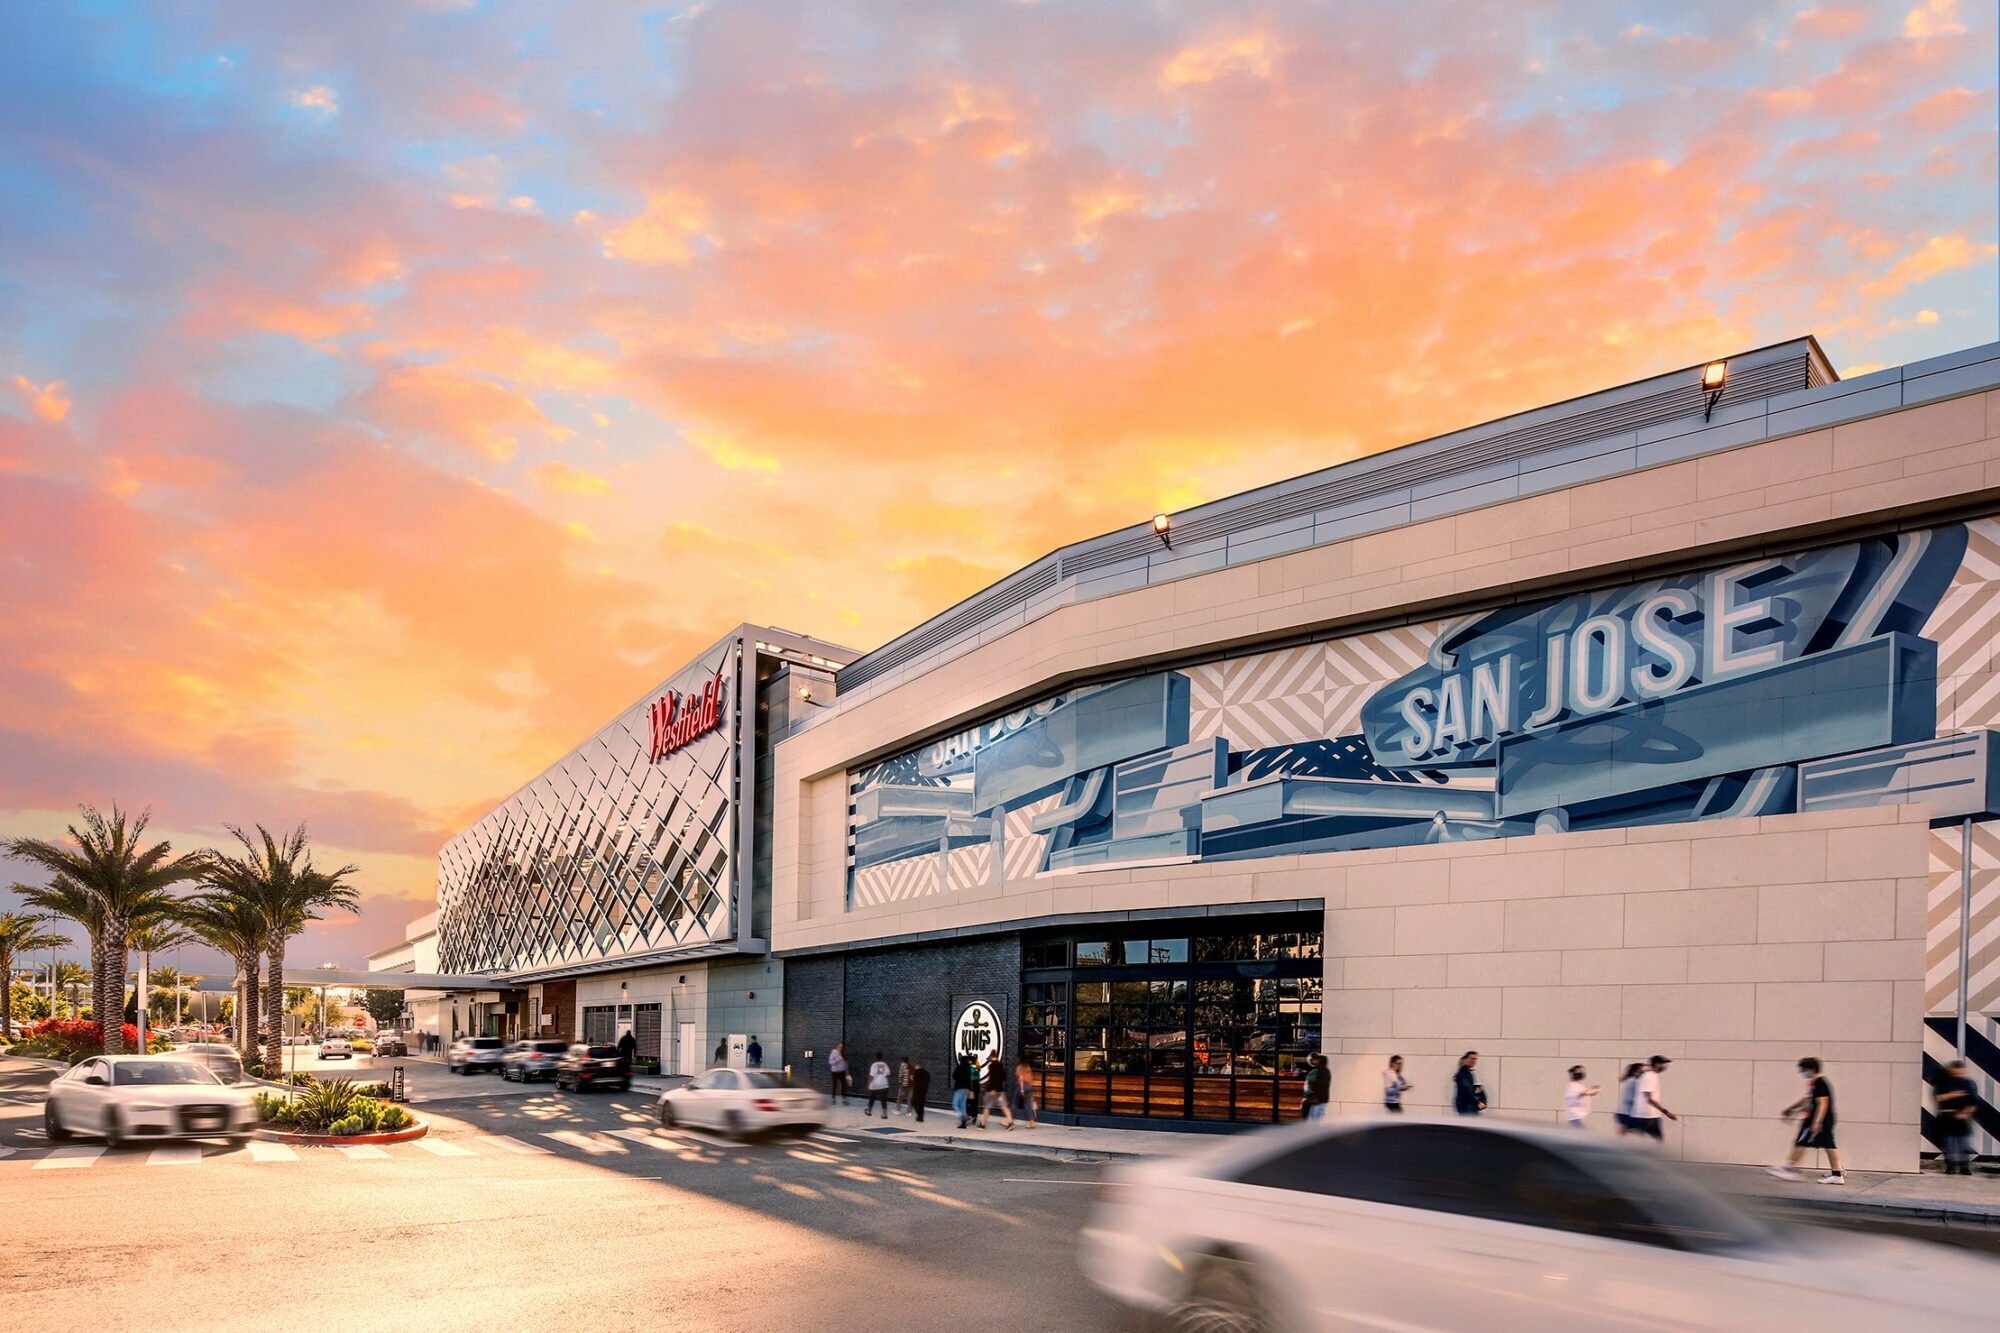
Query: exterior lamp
(1163, 528)
(1713, 376)
(806, 695)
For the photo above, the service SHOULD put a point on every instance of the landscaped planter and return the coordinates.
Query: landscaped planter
(404, 1135)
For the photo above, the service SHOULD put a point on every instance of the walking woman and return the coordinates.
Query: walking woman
(1628, 1097)
(1024, 1090)
(1394, 1085)
(995, 1089)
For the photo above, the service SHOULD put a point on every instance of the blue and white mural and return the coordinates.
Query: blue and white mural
(1802, 681)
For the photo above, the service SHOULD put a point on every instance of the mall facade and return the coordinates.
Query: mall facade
(1659, 721)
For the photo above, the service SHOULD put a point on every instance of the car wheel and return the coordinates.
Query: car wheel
(114, 1133)
(667, 1117)
(1223, 1296)
(626, 1086)
(732, 1124)
(52, 1123)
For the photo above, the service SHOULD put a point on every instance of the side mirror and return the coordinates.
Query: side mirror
(97, 1079)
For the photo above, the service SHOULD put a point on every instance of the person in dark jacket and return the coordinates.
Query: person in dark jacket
(628, 1047)
(920, 1087)
(1319, 1087)
(964, 1087)
(1467, 1097)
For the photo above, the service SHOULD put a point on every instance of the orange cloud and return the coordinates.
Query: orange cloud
(559, 478)
(1939, 254)
(1251, 53)
(439, 403)
(48, 402)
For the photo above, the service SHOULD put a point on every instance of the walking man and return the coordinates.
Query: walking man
(920, 1088)
(1319, 1087)
(628, 1047)
(964, 1083)
(996, 1090)
(836, 1073)
(755, 1052)
(1957, 1102)
(1467, 1096)
(878, 1086)
(1815, 1112)
(1647, 1109)
(1394, 1085)
(903, 1073)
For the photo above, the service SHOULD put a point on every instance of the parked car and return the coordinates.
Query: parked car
(1436, 1225)
(127, 1098)
(336, 1048)
(470, 1054)
(220, 1060)
(526, 1061)
(390, 1043)
(742, 1102)
(585, 1066)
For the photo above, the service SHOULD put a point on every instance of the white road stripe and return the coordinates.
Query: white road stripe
(6, 1152)
(63, 1158)
(512, 1144)
(272, 1152)
(177, 1154)
(593, 1146)
(645, 1136)
(362, 1152)
(440, 1148)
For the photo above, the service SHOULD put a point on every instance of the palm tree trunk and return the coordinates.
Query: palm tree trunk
(7, 995)
(274, 1006)
(250, 997)
(114, 957)
(100, 983)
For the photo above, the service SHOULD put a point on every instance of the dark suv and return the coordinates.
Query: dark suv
(592, 1067)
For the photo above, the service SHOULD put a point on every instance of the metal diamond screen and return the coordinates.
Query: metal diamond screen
(605, 854)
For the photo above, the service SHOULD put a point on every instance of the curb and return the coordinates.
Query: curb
(1049, 1152)
(415, 1131)
(1930, 1214)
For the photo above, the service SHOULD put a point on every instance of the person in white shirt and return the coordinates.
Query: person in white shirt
(1394, 1085)
(878, 1086)
(1576, 1097)
(836, 1072)
(1647, 1109)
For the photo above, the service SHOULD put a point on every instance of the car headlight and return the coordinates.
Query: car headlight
(147, 1106)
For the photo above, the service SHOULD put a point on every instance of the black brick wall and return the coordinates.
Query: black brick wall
(899, 1001)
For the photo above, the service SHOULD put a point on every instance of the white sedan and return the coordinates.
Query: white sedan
(1447, 1226)
(741, 1102)
(132, 1098)
(336, 1048)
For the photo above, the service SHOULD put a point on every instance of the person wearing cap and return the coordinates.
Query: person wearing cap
(1647, 1109)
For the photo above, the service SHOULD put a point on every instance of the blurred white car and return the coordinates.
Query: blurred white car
(130, 1098)
(220, 1060)
(336, 1048)
(1412, 1224)
(742, 1102)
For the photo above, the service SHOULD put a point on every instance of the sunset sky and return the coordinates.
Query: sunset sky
(391, 393)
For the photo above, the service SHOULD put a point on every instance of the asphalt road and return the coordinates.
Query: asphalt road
(526, 1207)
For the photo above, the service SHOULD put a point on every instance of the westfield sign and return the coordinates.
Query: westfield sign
(681, 718)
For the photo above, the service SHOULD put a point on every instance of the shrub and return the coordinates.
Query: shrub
(394, 1118)
(71, 1039)
(375, 1090)
(351, 1125)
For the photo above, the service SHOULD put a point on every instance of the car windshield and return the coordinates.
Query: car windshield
(604, 1052)
(484, 1043)
(1676, 1209)
(548, 1047)
(763, 1081)
(158, 1073)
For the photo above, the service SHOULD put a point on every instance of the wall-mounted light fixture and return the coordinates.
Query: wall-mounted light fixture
(806, 694)
(1713, 376)
(1163, 528)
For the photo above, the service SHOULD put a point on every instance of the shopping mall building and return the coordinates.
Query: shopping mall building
(1659, 721)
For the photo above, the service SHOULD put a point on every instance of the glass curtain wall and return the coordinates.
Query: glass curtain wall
(1208, 1023)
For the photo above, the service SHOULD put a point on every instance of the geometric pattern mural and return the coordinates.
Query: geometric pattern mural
(604, 854)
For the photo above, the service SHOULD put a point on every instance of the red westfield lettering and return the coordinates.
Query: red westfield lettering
(681, 718)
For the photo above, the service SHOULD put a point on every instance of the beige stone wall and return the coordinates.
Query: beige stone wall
(1732, 947)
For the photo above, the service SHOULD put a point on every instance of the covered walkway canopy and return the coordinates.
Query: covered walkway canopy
(356, 979)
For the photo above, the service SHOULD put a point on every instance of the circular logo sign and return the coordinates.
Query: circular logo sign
(978, 1031)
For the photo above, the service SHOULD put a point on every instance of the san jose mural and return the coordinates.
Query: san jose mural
(1856, 674)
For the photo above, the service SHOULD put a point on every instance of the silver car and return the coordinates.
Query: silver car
(219, 1059)
(526, 1061)
(469, 1054)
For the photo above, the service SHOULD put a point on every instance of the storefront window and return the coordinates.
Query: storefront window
(1203, 1026)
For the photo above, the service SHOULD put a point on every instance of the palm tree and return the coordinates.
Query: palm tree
(20, 935)
(289, 891)
(160, 935)
(128, 883)
(70, 976)
(227, 916)
(64, 897)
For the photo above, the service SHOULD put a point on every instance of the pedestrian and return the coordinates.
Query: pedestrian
(1467, 1096)
(1957, 1103)
(903, 1076)
(1394, 1085)
(1319, 1087)
(1815, 1113)
(920, 1088)
(722, 1051)
(1647, 1109)
(878, 1086)
(995, 1084)
(964, 1084)
(1024, 1091)
(755, 1052)
(1628, 1099)
(1577, 1097)
(836, 1073)
(628, 1047)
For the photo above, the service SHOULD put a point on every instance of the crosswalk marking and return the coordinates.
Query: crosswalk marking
(595, 1147)
(179, 1154)
(62, 1158)
(645, 1136)
(441, 1148)
(361, 1152)
(272, 1152)
(510, 1143)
